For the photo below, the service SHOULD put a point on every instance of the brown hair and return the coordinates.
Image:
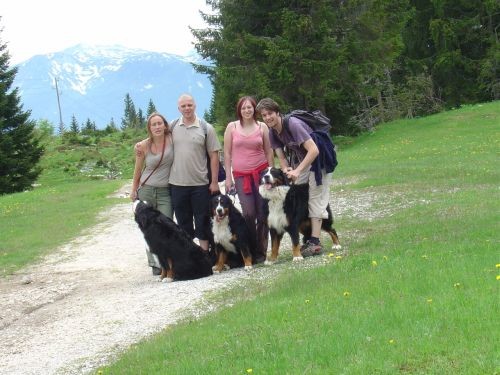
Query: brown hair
(240, 104)
(167, 128)
(268, 104)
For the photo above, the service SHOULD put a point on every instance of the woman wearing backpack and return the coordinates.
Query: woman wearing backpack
(304, 167)
(247, 151)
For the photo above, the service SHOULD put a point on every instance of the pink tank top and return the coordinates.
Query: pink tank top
(247, 151)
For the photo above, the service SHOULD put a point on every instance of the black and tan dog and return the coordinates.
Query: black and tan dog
(287, 212)
(230, 234)
(180, 258)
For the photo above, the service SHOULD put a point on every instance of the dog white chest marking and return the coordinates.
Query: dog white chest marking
(222, 234)
(276, 196)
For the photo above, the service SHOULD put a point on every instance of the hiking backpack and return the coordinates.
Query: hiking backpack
(315, 119)
(318, 122)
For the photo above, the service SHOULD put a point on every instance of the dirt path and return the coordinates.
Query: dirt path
(94, 297)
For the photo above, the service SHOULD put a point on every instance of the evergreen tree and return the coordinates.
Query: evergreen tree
(141, 121)
(20, 150)
(74, 127)
(89, 127)
(111, 127)
(129, 119)
(457, 43)
(151, 108)
(311, 54)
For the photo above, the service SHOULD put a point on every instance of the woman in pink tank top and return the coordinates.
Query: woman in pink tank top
(247, 151)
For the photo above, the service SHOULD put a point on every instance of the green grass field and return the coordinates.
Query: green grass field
(417, 294)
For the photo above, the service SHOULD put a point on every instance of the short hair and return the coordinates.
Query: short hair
(240, 104)
(185, 96)
(167, 128)
(268, 104)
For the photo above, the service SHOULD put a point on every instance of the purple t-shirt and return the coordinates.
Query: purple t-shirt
(298, 132)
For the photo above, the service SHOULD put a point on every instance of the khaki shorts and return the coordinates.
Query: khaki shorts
(319, 196)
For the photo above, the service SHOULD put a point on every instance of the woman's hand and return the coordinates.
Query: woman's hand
(137, 149)
(229, 185)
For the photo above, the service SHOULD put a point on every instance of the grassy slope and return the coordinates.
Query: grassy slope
(66, 201)
(419, 293)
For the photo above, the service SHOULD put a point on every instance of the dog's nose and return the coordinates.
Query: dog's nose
(219, 211)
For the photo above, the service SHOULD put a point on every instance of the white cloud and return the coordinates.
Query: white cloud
(32, 27)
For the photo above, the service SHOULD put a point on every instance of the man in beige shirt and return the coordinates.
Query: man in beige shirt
(189, 181)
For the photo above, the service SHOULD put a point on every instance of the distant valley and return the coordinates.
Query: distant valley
(92, 82)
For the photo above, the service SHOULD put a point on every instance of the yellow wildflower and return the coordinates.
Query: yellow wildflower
(374, 263)
(346, 294)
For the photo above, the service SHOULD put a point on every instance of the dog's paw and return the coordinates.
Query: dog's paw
(167, 280)
(336, 247)
(268, 262)
(298, 259)
(248, 268)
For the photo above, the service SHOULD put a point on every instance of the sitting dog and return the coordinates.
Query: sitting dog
(230, 234)
(287, 211)
(180, 258)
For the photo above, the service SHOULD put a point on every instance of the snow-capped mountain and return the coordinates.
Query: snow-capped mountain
(93, 80)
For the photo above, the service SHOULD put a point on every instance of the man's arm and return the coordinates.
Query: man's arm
(312, 154)
(214, 167)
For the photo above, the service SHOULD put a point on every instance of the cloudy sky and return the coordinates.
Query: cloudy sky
(32, 27)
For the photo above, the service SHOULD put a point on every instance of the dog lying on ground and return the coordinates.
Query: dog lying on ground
(230, 234)
(180, 258)
(287, 212)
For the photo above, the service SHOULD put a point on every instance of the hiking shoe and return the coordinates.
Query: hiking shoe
(310, 249)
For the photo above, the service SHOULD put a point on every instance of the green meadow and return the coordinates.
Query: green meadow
(418, 292)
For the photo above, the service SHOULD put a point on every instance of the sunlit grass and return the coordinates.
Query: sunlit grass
(418, 293)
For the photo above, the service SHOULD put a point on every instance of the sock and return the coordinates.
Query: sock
(314, 240)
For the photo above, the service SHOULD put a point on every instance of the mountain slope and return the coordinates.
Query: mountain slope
(93, 82)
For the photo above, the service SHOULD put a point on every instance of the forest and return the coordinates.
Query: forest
(361, 62)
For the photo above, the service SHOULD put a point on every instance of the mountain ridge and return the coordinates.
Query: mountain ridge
(92, 82)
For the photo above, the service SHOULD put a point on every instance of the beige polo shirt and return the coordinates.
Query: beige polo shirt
(190, 157)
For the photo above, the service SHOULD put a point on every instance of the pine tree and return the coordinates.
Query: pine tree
(141, 121)
(111, 127)
(20, 150)
(151, 108)
(89, 127)
(129, 119)
(74, 127)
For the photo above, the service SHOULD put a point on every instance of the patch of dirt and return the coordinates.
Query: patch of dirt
(91, 299)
